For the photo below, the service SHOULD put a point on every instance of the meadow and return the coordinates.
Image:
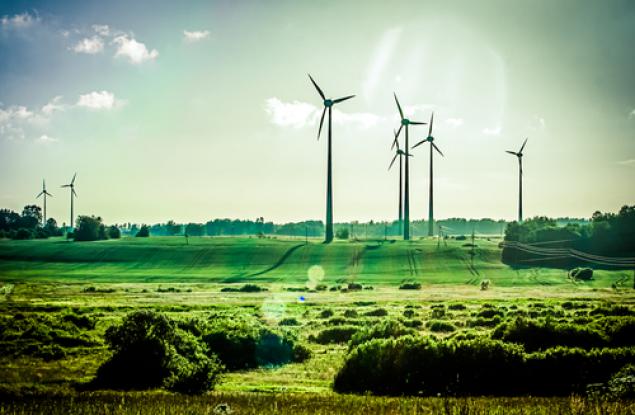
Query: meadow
(67, 294)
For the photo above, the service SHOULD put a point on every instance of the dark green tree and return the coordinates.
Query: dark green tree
(88, 228)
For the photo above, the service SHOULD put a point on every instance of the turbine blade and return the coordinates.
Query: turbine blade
(418, 123)
(418, 144)
(437, 149)
(321, 122)
(399, 131)
(521, 149)
(73, 181)
(337, 101)
(75, 193)
(395, 142)
(409, 155)
(393, 161)
(65, 185)
(398, 107)
(38, 196)
(48, 194)
(431, 121)
(317, 87)
(511, 152)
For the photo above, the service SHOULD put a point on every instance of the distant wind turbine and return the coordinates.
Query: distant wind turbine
(519, 155)
(44, 193)
(71, 185)
(406, 122)
(430, 140)
(399, 153)
(328, 104)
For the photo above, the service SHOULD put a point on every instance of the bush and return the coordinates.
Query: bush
(613, 310)
(350, 313)
(441, 326)
(378, 312)
(341, 233)
(247, 288)
(384, 330)
(410, 286)
(581, 274)
(338, 334)
(289, 322)
(150, 351)
(245, 344)
(457, 306)
(535, 335)
(144, 232)
(326, 313)
(22, 234)
(114, 232)
(422, 366)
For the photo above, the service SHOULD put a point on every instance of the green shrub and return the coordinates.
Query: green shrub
(410, 286)
(247, 288)
(350, 313)
(338, 334)
(245, 344)
(490, 312)
(326, 313)
(289, 321)
(422, 366)
(457, 306)
(378, 312)
(534, 335)
(581, 274)
(613, 310)
(384, 330)
(441, 326)
(150, 351)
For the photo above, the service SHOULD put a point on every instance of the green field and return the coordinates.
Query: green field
(48, 279)
(240, 260)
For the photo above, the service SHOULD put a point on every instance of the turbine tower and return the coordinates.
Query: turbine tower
(519, 155)
(399, 153)
(405, 122)
(44, 193)
(328, 104)
(71, 185)
(430, 139)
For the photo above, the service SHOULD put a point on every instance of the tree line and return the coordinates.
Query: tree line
(540, 241)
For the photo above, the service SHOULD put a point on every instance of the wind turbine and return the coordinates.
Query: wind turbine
(430, 139)
(73, 195)
(405, 122)
(328, 104)
(519, 155)
(44, 193)
(399, 153)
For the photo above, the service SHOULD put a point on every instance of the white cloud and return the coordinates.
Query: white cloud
(629, 162)
(99, 100)
(195, 36)
(294, 114)
(631, 114)
(298, 114)
(19, 20)
(454, 122)
(492, 131)
(135, 52)
(90, 45)
(53, 106)
(45, 139)
(102, 29)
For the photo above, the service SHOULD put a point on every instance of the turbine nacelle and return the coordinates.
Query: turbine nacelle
(405, 121)
(328, 103)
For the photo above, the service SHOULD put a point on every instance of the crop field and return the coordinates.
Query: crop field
(61, 297)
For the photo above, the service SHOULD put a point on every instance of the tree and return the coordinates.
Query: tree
(51, 228)
(31, 217)
(114, 232)
(88, 228)
(9, 220)
(144, 232)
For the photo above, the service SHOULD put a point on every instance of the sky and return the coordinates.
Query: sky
(203, 109)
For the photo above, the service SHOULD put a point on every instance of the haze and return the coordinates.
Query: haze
(191, 111)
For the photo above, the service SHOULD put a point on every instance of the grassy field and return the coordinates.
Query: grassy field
(106, 280)
(240, 260)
